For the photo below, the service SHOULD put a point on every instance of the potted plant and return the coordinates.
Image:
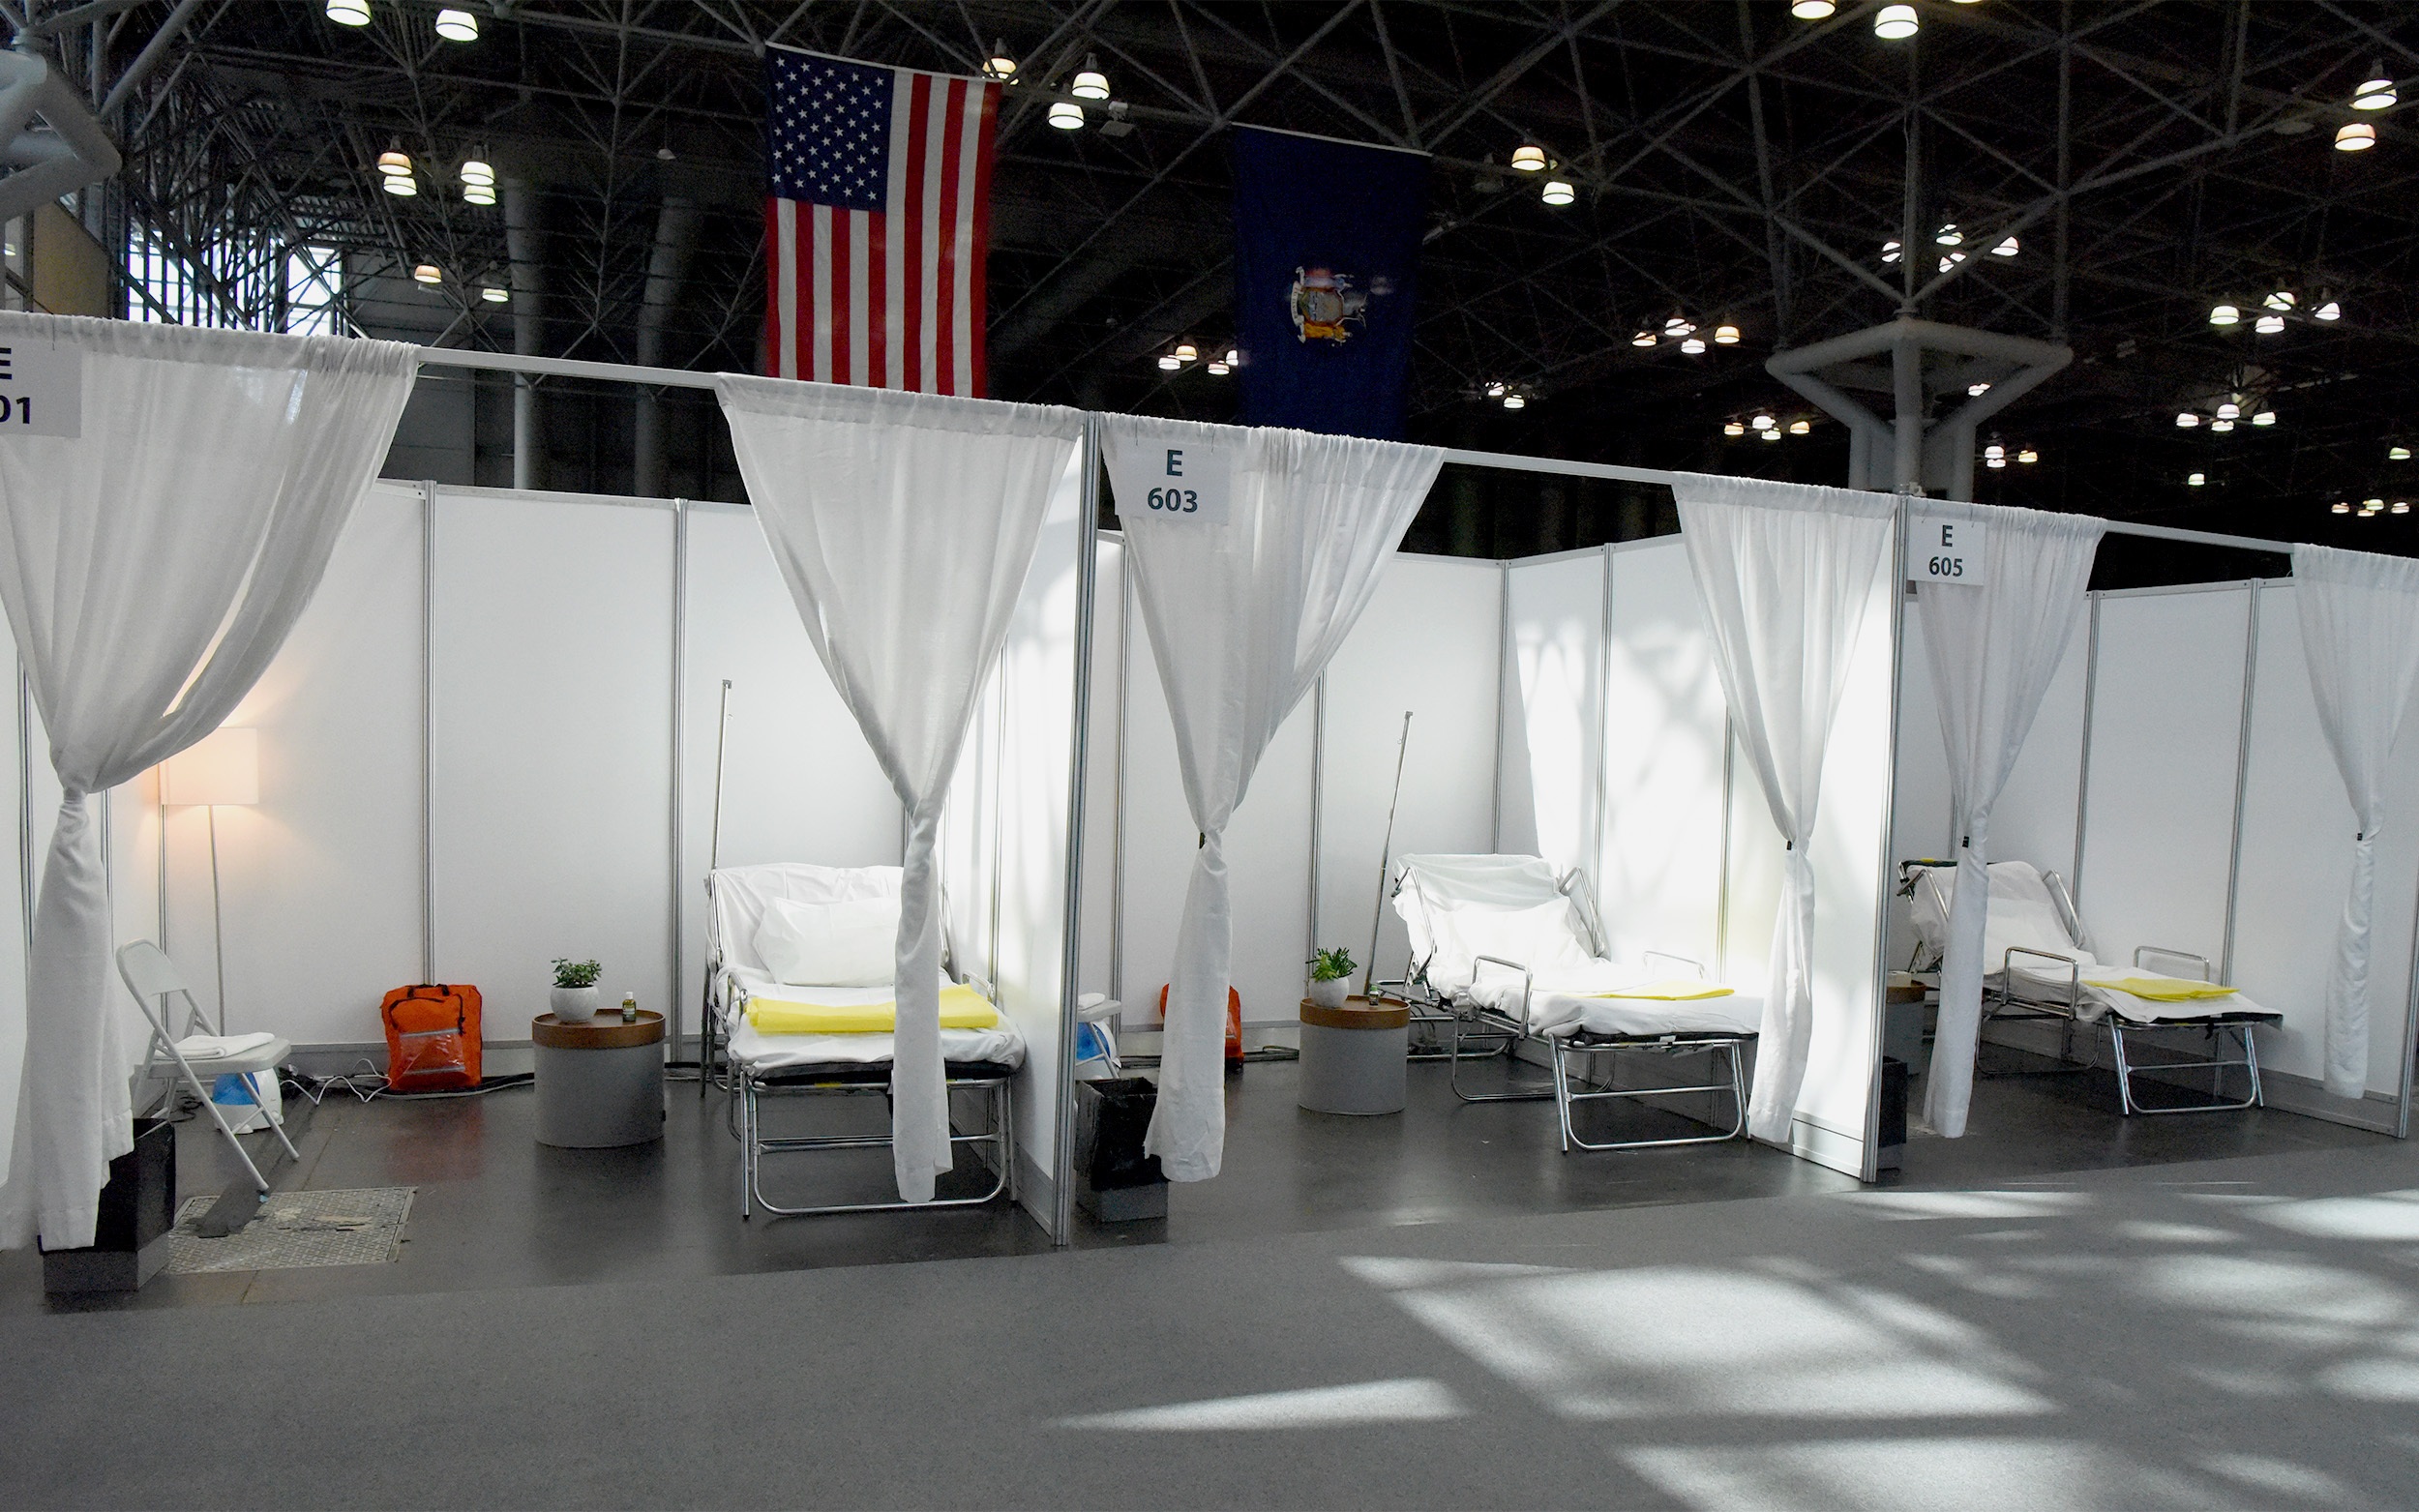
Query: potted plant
(574, 997)
(1331, 977)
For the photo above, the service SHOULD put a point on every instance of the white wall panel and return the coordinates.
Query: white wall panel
(799, 784)
(1659, 881)
(2297, 841)
(1428, 644)
(553, 641)
(321, 883)
(1103, 750)
(2167, 721)
(1553, 721)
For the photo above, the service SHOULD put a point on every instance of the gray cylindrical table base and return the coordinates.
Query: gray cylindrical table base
(599, 1083)
(1353, 1058)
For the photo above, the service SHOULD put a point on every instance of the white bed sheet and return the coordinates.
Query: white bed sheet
(1002, 1044)
(1564, 1002)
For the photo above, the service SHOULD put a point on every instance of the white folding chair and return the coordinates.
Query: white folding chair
(149, 975)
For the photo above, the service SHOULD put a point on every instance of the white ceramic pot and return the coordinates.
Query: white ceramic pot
(1331, 995)
(575, 1004)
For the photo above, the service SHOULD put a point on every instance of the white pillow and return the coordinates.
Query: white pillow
(829, 944)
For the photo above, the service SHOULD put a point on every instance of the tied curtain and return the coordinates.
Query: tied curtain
(2360, 633)
(151, 567)
(1245, 603)
(905, 524)
(1993, 646)
(1787, 573)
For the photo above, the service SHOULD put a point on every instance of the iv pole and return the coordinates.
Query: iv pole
(1386, 862)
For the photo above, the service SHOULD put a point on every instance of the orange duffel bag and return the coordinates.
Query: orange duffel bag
(432, 1037)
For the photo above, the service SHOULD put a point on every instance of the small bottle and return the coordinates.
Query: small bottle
(629, 1007)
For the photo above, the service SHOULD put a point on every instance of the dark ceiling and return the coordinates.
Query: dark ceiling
(1732, 162)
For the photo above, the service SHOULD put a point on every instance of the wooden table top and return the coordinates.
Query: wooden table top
(605, 1031)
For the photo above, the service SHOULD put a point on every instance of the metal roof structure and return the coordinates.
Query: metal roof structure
(1732, 162)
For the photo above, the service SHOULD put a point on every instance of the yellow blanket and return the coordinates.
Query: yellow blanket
(2164, 989)
(961, 1008)
(1671, 990)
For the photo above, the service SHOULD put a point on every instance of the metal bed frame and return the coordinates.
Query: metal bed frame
(2008, 999)
(1567, 1086)
(873, 1079)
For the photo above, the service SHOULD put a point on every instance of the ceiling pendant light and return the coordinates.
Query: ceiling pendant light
(477, 170)
(2196, 479)
(1896, 22)
(2006, 248)
(400, 186)
(1186, 351)
(2376, 91)
(350, 12)
(2268, 325)
(1643, 339)
(1233, 358)
(478, 193)
(1557, 192)
(2220, 426)
(1770, 435)
(2229, 410)
(427, 273)
(1168, 361)
(2224, 314)
(1495, 391)
(1725, 335)
(1976, 389)
(2330, 310)
(1800, 428)
(457, 25)
(1693, 345)
(1890, 251)
(1813, 9)
(1678, 326)
(1733, 427)
(1949, 235)
(1000, 64)
(1218, 367)
(1066, 117)
(2342, 506)
(1761, 422)
(1995, 451)
(2355, 137)
(394, 161)
(1515, 400)
(2186, 420)
(1528, 158)
(2265, 417)
(1951, 261)
(1995, 462)
(2401, 507)
(2281, 299)
(2398, 454)
(1090, 83)
(2371, 506)
(496, 295)
(2029, 457)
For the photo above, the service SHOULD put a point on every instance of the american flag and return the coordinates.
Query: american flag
(877, 223)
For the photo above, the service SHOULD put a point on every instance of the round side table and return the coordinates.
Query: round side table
(1353, 1058)
(600, 1083)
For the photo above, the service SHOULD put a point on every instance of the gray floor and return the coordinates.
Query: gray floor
(1437, 1310)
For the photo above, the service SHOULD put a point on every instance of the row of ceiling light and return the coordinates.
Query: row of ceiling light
(1768, 427)
(477, 175)
(2274, 310)
(2368, 509)
(431, 273)
(1949, 236)
(1684, 331)
(1891, 23)
(2227, 413)
(452, 23)
(1183, 354)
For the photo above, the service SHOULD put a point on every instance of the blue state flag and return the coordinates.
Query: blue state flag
(1327, 262)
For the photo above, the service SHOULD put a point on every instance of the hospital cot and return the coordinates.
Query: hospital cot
(2038, 963)
(754, 1062)
(1502, 946)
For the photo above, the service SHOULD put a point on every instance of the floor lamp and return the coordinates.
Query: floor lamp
(221, 768)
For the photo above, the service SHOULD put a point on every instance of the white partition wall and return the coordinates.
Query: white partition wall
(1427, 644)
(1004, 836)
(1551, 767)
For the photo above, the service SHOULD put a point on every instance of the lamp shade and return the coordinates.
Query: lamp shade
(224, 767)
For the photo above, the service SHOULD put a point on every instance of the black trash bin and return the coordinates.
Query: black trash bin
(1114, 1181)
(1892, 1134)
(137, 1209)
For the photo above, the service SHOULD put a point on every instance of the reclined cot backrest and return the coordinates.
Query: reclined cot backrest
(1457, 908)
(2023, 913)
(736, 896)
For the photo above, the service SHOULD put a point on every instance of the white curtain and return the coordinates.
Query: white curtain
(1247, 595)
(905, 525)
(2360, 632)
(1994, 645)
(151, 567)
(1787, 573)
